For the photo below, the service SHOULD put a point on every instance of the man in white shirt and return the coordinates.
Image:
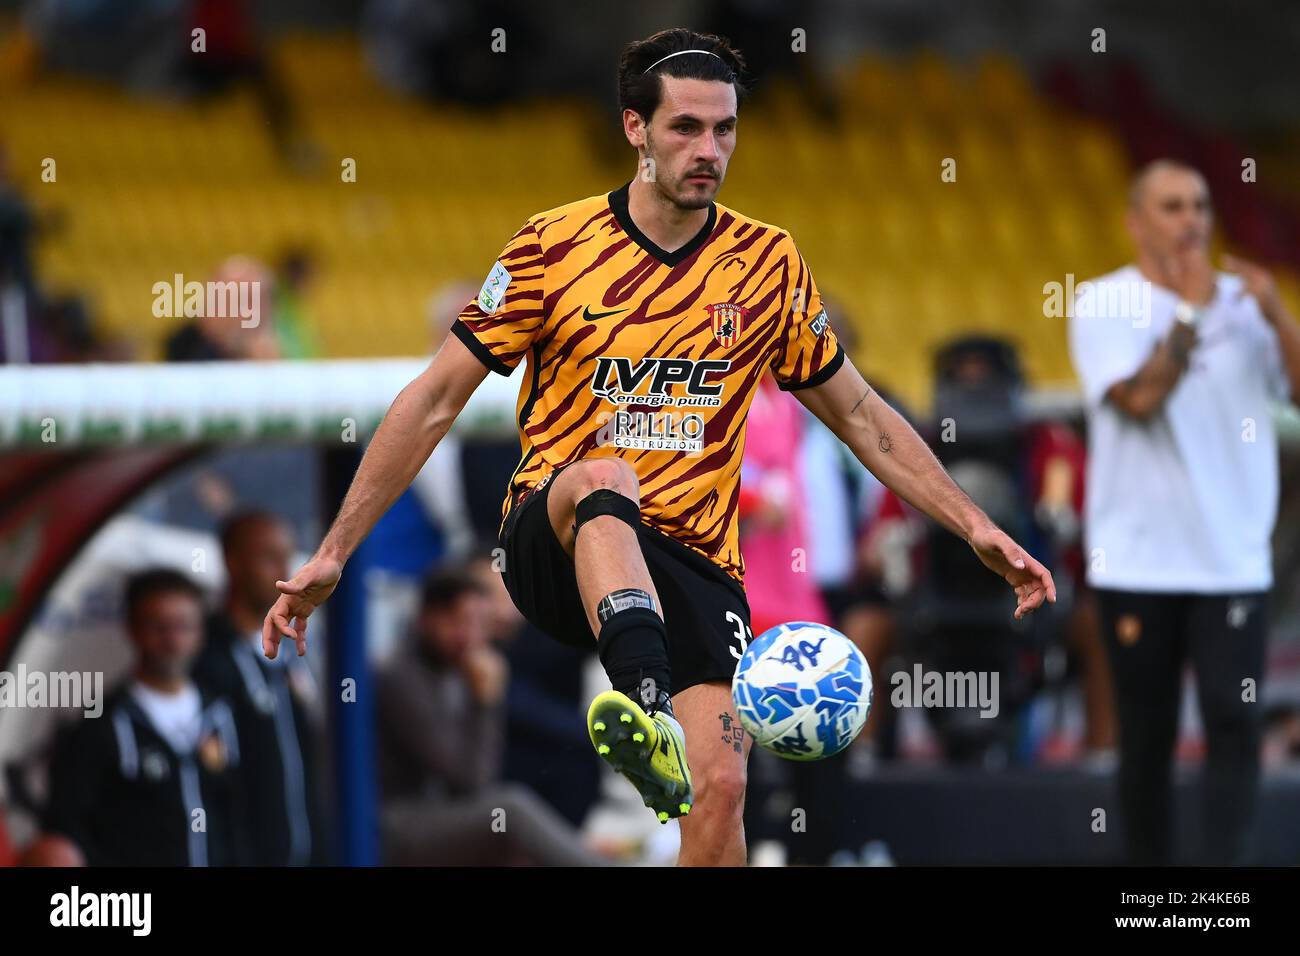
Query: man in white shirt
(1180, 365)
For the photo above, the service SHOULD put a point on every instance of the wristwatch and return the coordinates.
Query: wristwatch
(1188, 314)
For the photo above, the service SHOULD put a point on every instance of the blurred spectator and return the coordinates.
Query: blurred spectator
(293, 325)
(233, 56)
(1181, 365)
(276, 703)
(127, 788)
(33, 326)
(775, 542)
(774, 515)
(547, 746)
(17, 227)
(21, 339)
(216, 337)
(441, 703)
(72, 336)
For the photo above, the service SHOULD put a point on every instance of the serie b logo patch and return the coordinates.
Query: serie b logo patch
(728, 321)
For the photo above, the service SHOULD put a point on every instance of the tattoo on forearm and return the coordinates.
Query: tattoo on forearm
(885, 444)
(732, 732)
(860, 401)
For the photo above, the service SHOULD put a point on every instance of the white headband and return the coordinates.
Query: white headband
(678, 53)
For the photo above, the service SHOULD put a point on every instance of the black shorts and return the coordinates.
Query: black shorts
(705, 611)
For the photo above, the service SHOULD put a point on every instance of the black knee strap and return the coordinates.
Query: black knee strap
(602, 501)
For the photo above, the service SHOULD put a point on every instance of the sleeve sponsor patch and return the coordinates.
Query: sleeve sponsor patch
(494, 288)
(818, 324)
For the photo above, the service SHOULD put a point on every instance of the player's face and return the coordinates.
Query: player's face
(690, 139)
(1172, 214)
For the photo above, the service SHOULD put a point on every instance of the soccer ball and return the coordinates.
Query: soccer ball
(802, 690)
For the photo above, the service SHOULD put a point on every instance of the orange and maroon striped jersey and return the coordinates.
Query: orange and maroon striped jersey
(647, 355)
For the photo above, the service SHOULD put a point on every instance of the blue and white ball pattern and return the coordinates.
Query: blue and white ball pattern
(802, 690)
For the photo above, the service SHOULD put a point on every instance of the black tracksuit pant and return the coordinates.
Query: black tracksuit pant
(1150, 638)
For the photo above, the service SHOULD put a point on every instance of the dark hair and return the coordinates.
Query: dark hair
(641, 91)
(154, 581)
(447, 585)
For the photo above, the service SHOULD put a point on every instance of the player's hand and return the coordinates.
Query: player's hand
(1031, 581)
(299, 596)
(1257, 282)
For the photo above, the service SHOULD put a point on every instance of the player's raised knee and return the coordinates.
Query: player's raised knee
(614, 474)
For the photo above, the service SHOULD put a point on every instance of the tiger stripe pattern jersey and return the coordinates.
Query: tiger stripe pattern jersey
(648, 355)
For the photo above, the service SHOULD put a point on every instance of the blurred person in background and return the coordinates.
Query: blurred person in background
(1028, 475)
(22, 336)
(276, 703)
(35, 326)
(295, 330)
(441, 712)
(233, 56)
(776, 544)
(216, 337)
(1180, 364)
(72, 336)
(128, 788)
(774, 514)
(547, 748)
(18, 224)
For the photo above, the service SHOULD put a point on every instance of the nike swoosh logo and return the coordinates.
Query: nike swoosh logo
(593, 316)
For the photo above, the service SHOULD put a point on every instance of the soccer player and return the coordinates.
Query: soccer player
(647, 317)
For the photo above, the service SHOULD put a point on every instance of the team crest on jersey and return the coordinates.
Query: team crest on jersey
(728, 321)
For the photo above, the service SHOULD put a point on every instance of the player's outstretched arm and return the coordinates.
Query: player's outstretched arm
(886, 444)
(416, 421)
